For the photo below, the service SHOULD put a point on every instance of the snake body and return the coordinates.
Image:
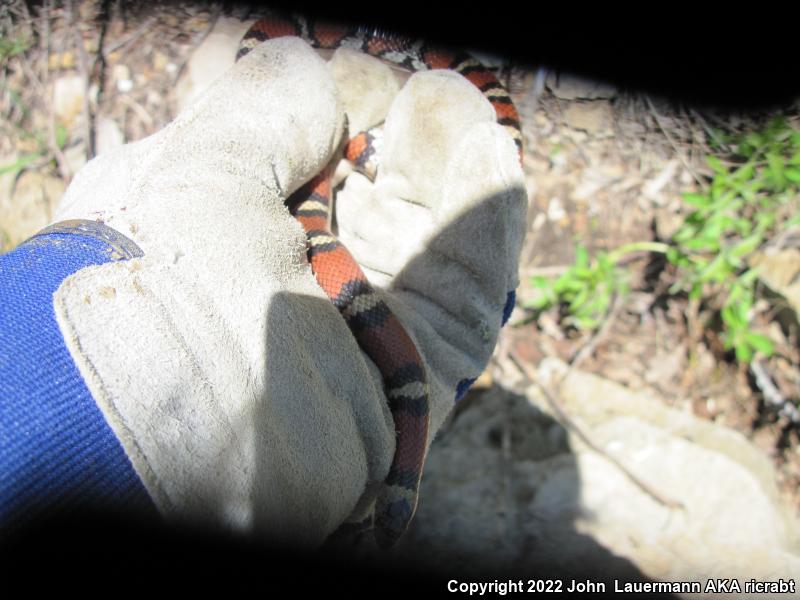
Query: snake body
(376, 329)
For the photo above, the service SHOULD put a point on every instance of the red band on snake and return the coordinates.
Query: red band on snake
(377, 330)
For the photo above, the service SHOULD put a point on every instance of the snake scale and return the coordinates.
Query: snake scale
(376, 329)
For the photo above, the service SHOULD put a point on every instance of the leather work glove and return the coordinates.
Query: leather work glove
(233, 385)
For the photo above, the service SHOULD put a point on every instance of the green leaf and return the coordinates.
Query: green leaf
(759, 342)
(580, 298)
(582, 272)
(754, 139)
(581, 256)
(716, 164)
(744, 354)
(567, 285)
(744, 173)
(776, 165)
(700, 200)
(792, 174)
(61, 136)
(686, 232)
(674, 256)
(743, 226)
(733, 316)
(746, 246)
(716, 271)
(22, 162)
(604, 262)
(706, 242)
(586, 323)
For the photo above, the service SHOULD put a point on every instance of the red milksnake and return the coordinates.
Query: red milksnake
(378, 332)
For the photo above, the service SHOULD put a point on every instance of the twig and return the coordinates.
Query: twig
(138, 32)
(531, 103)
(549, 271)
(83, 64)
(709, 130)
(137, 108)
(200, 39)
(672, 143)
(44, 40)
(772, 394)
(567, 422)
(589, 348)
(52, 144)
(787, 238)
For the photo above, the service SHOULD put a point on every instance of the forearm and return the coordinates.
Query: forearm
(56, 448)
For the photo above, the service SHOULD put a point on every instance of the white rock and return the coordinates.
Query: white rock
(571, 87)
(212, 58)
(653, 187)
(75, 157)
(121, 74)
(595, 117)
(68, 95)
(779, 269)
(108, 135)
(30, 207)
(502, 492)
(555, 210)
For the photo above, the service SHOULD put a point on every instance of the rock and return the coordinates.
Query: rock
(668, 219)
(571, 87)
(108, 135)
(780, 270)
(68, 95)
(594, 117)
(508, 491)
(664, 367)
(555, 210)
(160, 61)
(76, 157)
(121, 74)
(591, 180)
(61, 60)
(211, 59)
(611, 400)
(652, 189)
(29, 208)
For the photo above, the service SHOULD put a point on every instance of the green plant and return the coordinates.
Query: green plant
(41, 152)
(748, 202)
(35, 138)
(37, 151)
(12, 46)
(750, 199)
(587, 288)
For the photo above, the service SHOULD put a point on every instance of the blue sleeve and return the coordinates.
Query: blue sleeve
(465, 384)
(56, 449)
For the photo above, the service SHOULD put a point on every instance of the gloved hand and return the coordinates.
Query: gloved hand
(233, 384)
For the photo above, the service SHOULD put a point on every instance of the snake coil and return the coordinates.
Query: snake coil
(377, 330)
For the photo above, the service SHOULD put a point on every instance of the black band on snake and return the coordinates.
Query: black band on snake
(377, 330)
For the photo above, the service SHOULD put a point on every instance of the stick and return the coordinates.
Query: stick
(83, 64)
(567, 422)
(672, 143)
(589, 348)
(772, 394)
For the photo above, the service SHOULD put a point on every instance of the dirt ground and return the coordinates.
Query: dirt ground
(604, 165)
